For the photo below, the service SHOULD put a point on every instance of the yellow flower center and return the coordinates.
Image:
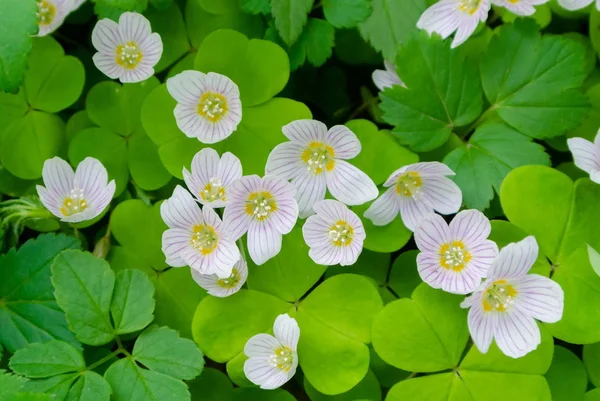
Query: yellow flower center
(260, 205)
(205, 239)
(129, 55)
(213, 191)
(408, 184)
(212, 106)
(341, 233)
(471, 6)
(231, 281)
(46, 12)
(499, 296)
(283, 359)
(453, 255)
(318, 156)
(74, 203)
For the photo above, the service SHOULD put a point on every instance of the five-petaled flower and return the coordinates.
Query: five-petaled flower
(507, 302)
(386, 78)
(577, 4)
(586, 155)
(272, 360)
(51, 14)
(266, 209)
(223, 287)
(75, 196)
(520, 7)
(208, 105)
(211, 176)
(448, 16)
(195, 237)
(314, 162)
(455, 257)
(415, 191)
(127, 51)
(335, 234)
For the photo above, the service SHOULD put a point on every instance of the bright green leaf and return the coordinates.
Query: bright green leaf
(39, 360)
(593, 395)
(567, 377)
(591, 360)
(255, 394)
(367, 389)
(404, 276)
(256, 6)
(168, 23)
(89, 387)
(144, 162)
(290, 17)
(132, 301)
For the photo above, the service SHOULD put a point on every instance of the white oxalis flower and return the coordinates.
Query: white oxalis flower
(75, 196)
(314, 162)
(335, 234)
(51, 14)
(416, 190)
(196, 238)
(505, 305)
(272, 360)
(586, 155)
(455, 257)
(520, 7)
(266, 209)
(223, 287)
(211, 176)
(386, 78)
(208, 105)
(127, 51)
(448, 16)
(572, 5)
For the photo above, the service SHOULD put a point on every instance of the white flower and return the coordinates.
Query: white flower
(447, 16)
(415, 191)
(573, 5)
(386, 78)
(51, 14)
(455, 258)
(505, 305)
(586, 155)
(208, 105)
(211, 177)
(127, 51)
(223, 287)
(266, 209)
(195, 237)
(272, 361)
(335, 234)
(314, 162)
(520, 7)
(75, 196)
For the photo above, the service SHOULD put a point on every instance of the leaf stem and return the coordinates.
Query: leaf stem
(103, 360)
(486, 116)
(121, 347)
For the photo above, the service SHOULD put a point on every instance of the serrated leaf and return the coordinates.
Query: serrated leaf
(89, 387)
(162, 350)
(56, 386)
(256, 6)
(482, 163)
(290, 17)
(52, 358)
(10, 384)
(315, 44)
(346, 13)
(132, 303)
(28, 310)
(83, 289)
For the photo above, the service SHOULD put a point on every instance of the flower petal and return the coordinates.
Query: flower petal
(91, 176)
(442, 18)
(483, 255)
(286, 331)
(260, 372)
(481, 325)
(107, 65)
(230, 168)
(305, 132)
(285, 161)
(134, 27)
(326, 255)
(516, 333)
(187, 87)
(316, 231)
(310, 189)
(152, 49)
(412, 211)
(180, 210)
(515, 259)
(350, 185)
(225, 257)
(344, 142)
(442, 193)
(430, 169)
(385, 208)
(174, 241)
(140, 73)
(432, 233)
(264, 242)
(50, 200)
(471, 227)
(106, 37)
(540, 297)
(236, 220)
(58, 176)
(210, 282)
(586, 155)
(573, 5)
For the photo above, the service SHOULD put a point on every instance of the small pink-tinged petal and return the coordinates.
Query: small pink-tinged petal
(310, 189)
(187, 87)
(133, 27)
(432, 233)
(540, 298)
(385, 208)
(102, 198)
(174, 241)
(516, 333)
(471, 227)
(58, 176)
(305, 132)
(205, 165)
(106, 37)
(586, 155)
(442, 193)
(264, 242)
(350, 185)
(284, 218)
(344, 142)
(331, 210)
(91, 177)
(180, 210)
(412, 211)
(481, 325)
(351, 252)
(515, 259)
(285, 161)
(278, 187)
(286, 331)
(189, 121)
(236, 220)
(240, 189)
(483, 255)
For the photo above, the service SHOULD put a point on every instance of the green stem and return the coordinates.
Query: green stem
(121, 347)
(487, 115)
(104, 360)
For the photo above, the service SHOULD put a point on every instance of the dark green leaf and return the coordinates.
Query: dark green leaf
(132, 301)
(290, 17)
(346, 13)
(256, 6)
(89, 387)
(315, 43)
(53, 358)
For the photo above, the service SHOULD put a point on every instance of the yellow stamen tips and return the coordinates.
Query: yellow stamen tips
(499, 296)
(205, 239)
(341, 233)
(282, 359)
(470, 6)
(74, 203)
(212, 106)
(231, 281)
(129, 55)
(318, 157)
(453, 255)
(408, 184)
(213, 191)
(260, 205)
(46, 12)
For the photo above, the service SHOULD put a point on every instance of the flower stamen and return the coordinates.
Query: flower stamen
(129, 55)
(213, 191)
(212, 106)
(318, 157)
(499, 296)
(205, 239)
(46, 12)
(283, 359)
(260, 205)
(74, 203)
(341, 233)
(408, 184)
(454, 256)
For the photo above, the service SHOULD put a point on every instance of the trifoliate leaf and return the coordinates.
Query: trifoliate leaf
(315, 44)
(89, 387)
(162, 350)
(17, 25)
(41, 360)
(566, 377)
(132, 301)
(167, 21)
(56, 386)
(290, 17)
(83, 289)
(346, 13)
(404, 277)
(440, 93)
(28, 310)
(537, 89)
(367, 389)
(256, 6)
(390, 24)
(483, 162)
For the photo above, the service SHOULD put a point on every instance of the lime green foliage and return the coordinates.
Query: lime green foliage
(290, 17)
(367, 389)
(566, 377)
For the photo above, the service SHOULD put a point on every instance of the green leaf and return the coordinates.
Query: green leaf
(162, 350)
(404, 276)
(290, 17)
(56, 386)
(482, 163)
(129, 382)
(352, 49)
(256, 394)
(212, 385)
(10, 385)
(367, 389)
(256, 6)
(315, 44)
(346, 13)
(83, 288)
(168, 23)
(589, 126)
(537, 90)
(591, 360)
(89, 387)
(19, 23)
(219, 7)
(144, 162)
(593, 395)
(39, 360)
(440, 93)
(443, 387)
(391, 23)
(566, 377)
(594, 259)
(132, 301)
(28, 310)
